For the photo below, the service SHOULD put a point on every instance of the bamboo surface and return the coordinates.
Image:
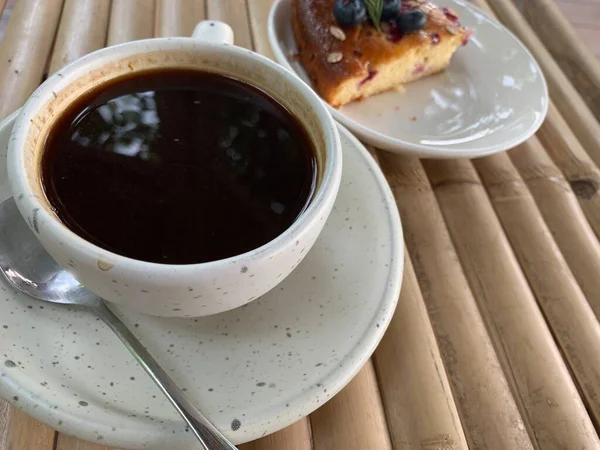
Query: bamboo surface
(415, 390)
(562, 213)
(495, 343)
(130, 20)
(522, 339)
(64, 442)
(579, 170)
(556, 200)
(294, 437)
(568, 101)
(178, 17)
(561, 300)
(25, 49)
(340, 423)
(561, 39)
(488, 411)
(82, 30)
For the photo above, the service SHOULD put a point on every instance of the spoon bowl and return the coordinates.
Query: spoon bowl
(29, 268)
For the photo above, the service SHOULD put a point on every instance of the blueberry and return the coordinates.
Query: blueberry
(411, 21)
(391, 9)
(350, 12)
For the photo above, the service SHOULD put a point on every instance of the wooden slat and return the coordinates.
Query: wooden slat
(131, 20)
(258, 12)
(565, 96)
(294, 437)
(556, 200)
(69, 443)
(25, 49)
(354, 418)
(82, 30)
(582, 14)
(235, 13)
(178, 17)
(4, 18)
(564, 217)
(521, 337)
(579, 170)
(569, 155)
(416, 394)
(487, 409)
(20, 432)
(5, 12)
(563, 304)
(590, 37)
(6, 413)
(573, 56)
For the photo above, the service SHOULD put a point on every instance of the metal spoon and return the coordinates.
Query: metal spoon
(29, 268)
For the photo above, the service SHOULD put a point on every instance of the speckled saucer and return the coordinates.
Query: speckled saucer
(252, 371)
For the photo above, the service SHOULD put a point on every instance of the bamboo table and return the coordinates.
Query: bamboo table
(496, 341)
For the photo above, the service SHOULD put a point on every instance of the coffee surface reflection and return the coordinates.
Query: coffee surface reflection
(178, 167)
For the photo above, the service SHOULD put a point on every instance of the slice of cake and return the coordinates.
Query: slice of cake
(350, 54)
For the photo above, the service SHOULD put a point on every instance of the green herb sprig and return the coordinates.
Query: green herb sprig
(374, 9)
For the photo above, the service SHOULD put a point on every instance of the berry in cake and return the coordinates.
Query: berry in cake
(350, 12)
(353, 49)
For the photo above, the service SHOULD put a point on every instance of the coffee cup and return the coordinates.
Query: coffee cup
(184, 290)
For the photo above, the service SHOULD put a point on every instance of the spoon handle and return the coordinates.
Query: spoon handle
(206, 433)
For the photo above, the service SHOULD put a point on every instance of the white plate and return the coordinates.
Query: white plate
(492, 97)
(253, 370)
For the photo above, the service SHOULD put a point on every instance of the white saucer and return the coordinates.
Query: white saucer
(491, 98)
(252, 371)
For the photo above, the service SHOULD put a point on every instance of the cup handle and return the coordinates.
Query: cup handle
(213, 31)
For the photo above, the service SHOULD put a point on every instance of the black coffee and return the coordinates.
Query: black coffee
(178, 167)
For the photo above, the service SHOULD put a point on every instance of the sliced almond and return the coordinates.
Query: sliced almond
(337, 33)
(423, 35)
(428, 8)
(435, 15)
(334, 57)
(452, 30)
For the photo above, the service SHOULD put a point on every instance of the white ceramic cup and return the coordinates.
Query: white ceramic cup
(161, 289)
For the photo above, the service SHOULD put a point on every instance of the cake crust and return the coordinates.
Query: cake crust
(364, 53)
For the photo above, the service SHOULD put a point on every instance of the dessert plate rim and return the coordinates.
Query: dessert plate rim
(406, 146)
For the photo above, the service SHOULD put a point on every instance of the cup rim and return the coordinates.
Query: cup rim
(27, 201)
